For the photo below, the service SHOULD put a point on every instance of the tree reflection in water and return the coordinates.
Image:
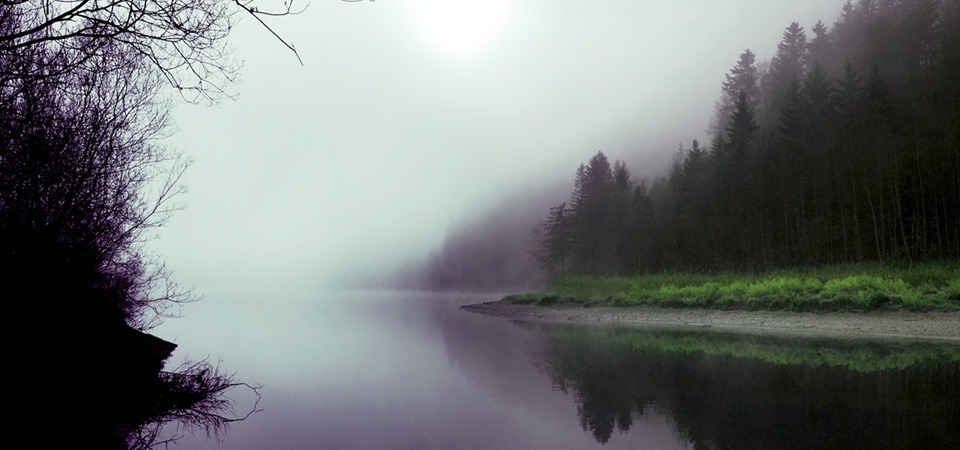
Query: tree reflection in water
(106, 390)
(727, 391)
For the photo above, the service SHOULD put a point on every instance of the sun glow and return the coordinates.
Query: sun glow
(459, 27)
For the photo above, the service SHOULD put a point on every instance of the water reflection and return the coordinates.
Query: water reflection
(728, 391)
(372, 370)
(414, 371)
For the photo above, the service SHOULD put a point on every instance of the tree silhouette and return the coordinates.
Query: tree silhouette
(592, 242)
(556, 239)
(789, 61)
(743, 77)
(83, 184)
(820, 49)
(184, 40)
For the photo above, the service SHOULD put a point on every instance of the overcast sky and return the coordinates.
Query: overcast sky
(407, 115)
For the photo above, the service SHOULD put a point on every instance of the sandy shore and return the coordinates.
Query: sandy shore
(935, 326)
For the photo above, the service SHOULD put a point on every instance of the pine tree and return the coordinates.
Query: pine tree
(878, 101)
(621, 176)
(694, 160)
(741, 129)
(556, 239)
(849, 96)
(644, 229)
(593, 184)
(790, 127)
(789, 61)
(592, 239)
(791, 57)
(819, 95)
(820, 49)
(743, 77)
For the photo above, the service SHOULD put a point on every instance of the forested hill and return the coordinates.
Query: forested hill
(489, 251)
(842, 146)
(845, 146)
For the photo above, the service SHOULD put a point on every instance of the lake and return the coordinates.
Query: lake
(378, 370)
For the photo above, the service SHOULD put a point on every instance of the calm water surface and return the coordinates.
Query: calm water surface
(376, 370)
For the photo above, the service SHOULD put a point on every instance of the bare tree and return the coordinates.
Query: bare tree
(196, 396)
(185, 39)
(83, 179)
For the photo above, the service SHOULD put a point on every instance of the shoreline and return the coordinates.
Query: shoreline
(942, 326)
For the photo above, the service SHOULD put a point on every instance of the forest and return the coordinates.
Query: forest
(843, 147)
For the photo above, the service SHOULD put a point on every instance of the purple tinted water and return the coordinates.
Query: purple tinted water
(382, 370)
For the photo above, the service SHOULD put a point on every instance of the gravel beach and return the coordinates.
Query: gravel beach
(932, 326)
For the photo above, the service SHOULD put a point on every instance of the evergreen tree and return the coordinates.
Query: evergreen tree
(789, 61)
(741, 129)
(819, 102)
(868, 8)
(878, 102)
(556, 239)
(592, 185)
(850, 166)
(849, 96)
(621, 176)
(846, 30)
(591, 238)
(790, 127)
(820, 49)
(694, 160)
(743, 77)
(791, 57)
(643, 244)
(621, 220)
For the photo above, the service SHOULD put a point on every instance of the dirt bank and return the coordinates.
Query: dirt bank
(938, 326)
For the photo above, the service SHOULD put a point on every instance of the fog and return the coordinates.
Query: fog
(408, 119)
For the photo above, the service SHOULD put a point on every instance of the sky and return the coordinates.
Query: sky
(408, 116)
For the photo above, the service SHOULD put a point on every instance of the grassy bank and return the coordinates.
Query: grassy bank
(916, 286)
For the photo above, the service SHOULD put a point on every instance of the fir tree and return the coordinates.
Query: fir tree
(820, 48)
(556, 239)
(789, 61)
(743, 77)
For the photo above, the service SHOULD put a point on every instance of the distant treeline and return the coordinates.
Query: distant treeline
(844, 147)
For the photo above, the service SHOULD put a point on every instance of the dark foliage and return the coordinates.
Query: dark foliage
(596, 233)
(853, 154)
(556, 239)
(83, 182)
(185, 41)
(721, 401)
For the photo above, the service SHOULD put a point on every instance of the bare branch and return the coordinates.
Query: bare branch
(196, 397)
(256, 15)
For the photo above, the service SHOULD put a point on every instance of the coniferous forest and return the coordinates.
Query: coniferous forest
(844, 147)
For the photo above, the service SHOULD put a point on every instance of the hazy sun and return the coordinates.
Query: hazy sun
(459, 27)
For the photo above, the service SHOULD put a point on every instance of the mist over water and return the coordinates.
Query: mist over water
(409, 370)
(442, 165)
(383, 143)
(420, 145)
(370, 370)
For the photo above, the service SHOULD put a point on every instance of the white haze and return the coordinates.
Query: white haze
(364, 156)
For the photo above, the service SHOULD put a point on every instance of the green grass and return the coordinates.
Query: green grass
(915, 286)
